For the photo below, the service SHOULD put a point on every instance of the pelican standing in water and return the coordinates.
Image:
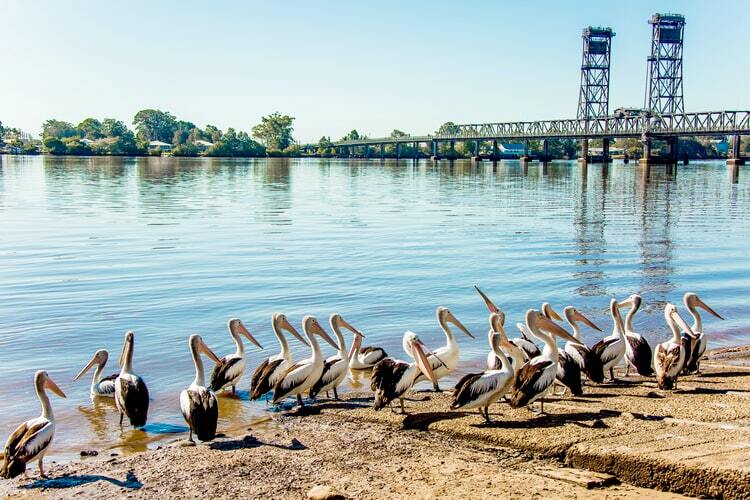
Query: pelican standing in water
(99, 386)
(587, 360)
(523, 342)
(229, 369)
(363, 358)
(537, 376)
(31, 440)
(301, 376)
(444, 360)
(611, 349)
(516, 356)
(670, 356)
(198, 404)
(335, 367)
(480, 390)
(391, 378)
(131, 393)
(637, 350)
(697, 345)
(271, 370)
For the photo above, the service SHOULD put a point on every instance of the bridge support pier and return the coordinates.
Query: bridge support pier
(434, 148)
(584, 156)
(605, 151)
(382, 151)
(453, 150)
(416, 150)
(545, 158)
(476, 156)
(398, 150)
(495, 150)
(735, 160)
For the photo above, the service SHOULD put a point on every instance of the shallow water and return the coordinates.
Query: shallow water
(92, 247)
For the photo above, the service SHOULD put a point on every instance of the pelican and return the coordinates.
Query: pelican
(99, 386)
(611, 349)
(516, 356)
(362, 358)
(131, 393)
(229, 369)
(697, 346)
(270, 371)
(31, 440)
(536, 377)
(480, 390)
(335, 367)
(444, 360)
(391, 378)
(637, 350)
(301, 376)
(669, 356)
(199, 405)
(524, 342)
(587, 360)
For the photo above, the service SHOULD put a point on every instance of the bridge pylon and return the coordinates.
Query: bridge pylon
(664, 86)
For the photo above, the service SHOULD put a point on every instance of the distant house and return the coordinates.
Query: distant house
(86, 141)
(203, 145)
(512, 149)
(159, 146)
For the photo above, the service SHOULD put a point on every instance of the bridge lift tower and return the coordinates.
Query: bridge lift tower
(593, 98)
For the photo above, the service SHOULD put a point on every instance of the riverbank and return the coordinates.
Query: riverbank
(617, 441)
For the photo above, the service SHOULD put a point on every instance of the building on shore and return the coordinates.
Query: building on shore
(163, 147)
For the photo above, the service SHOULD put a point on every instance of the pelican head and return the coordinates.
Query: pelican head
(339, 321)
(42, 380)
(490, 305)
(280, 322)
(99, 359)
(418, 348)
(497, 321)
(197, 345)
(538, 321)
(633, 301)
(674, 319)
(127, 348)
(444, 316)
(311, 327)
(692, 301)
(236, 328)
(549, 312)
(573, 315)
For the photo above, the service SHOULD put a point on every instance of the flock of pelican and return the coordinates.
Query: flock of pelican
(517, 369)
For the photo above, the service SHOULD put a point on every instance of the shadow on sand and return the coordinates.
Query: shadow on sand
(131, 482)
(253, 442)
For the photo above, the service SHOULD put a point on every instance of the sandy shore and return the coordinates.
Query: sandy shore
(695, 440)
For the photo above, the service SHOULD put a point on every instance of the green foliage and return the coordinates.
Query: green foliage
(212, 134)
(325, 147)
(90, 128)
(398, 133)
(351, 136)
(186, 149)
(115, 146)
(562, 147)
(74, 146)
(448, 128)
(182, 132)
(236, 145)
(30, 148)
(275, 131)
(59, 129)
(631, 147)
(115, 128)
(154, 125)
(54, 145)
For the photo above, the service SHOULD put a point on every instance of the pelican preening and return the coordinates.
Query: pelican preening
(637, 350)
(536, 377)
(363, 358)
(198, 404)
(99, 386)
(697, 344)
(516, 356)
(271, 370)
(480, 390)
(301, 376)
(335, 367)
(524, 342)
(131, 393)
(31, 440)
(229, 369)
(670, 356)
(391, 378)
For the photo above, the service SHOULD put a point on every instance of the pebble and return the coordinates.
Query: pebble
(321, 492)
(89, 453)
(598, 424)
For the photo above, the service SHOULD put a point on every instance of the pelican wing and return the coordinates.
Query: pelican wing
(668, 357)
(331, 371)
(569, 373)
(606, 348)
(224, 372)
(692, 352)
(133, 398)
(471, 386)
(386, 380)
(528, 347)
(532, 378)
(294, 377)
(24, 444)
(641, 353)
(261, 381)
(201, 412)
(107, 385)
(370, 355)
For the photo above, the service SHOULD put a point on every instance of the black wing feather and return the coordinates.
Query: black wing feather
(219, 373)
(204, 414)
(464, 392)
(523, 384)
(315, 389)
(135, 399)
(384, 379)
(261, 381)
(571, 376)
(642, 355)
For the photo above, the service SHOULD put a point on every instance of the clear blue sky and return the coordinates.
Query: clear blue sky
(340, 65)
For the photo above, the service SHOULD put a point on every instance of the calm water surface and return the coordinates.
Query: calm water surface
(92, 247)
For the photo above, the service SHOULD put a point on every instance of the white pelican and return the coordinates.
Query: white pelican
(637, 350)
(611, 349)
(335, 367)
(444, 360)
(524, 342)
(363, 358)
(391, 378)
(587, 361)
(99, 386)
(537, 376)
(31, 440)
(270, 371)
(301, 376)
(229, 369)
(568, 369)
(199, 405)
(697, 346)
(480, 390)
(669, 356)
(131, 393)
(516, 356)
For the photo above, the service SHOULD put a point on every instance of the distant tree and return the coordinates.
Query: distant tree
(237, 145)
(54, 145)
(154, 125)
(448, 128)
(275, 131)
(325, 147)
(59, 129)
(114, 128)
(182, 132)
(186, 149)
(74, 146)
(351, 136)
(90, 128)
(631, 147)
(213, 134)
(398, 133)
(2, 134)
(562, 147)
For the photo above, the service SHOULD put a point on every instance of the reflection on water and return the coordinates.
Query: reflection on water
(92, 247)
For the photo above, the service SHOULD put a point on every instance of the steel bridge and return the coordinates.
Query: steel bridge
(661, 118)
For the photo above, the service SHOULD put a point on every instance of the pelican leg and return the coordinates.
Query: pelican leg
(436, 387)
(233, 390)
(612, 375)
(121, 415)
(190, 438)
(299, 401)
(541, 404)
(390, 405)
(487, 414)
(41, 468)
(335, 393)
(403, 411)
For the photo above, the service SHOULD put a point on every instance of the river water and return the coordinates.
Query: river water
(92, 247)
